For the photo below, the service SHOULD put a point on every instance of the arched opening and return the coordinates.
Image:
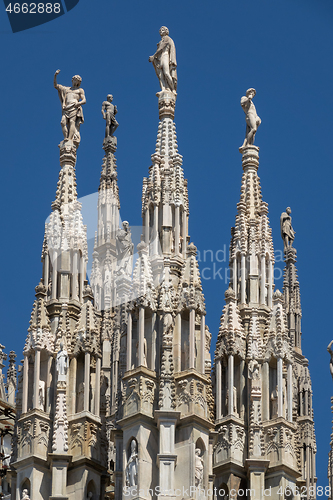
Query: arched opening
(199, 463)
(25, 489)
(91, 491)
(223, 492)
(131, 470)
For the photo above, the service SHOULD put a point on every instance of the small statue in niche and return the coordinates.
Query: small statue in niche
(109, 112)
(252, 119)
(132, 466)
(72, 99)
(234, 392)
(25, 495)
(164, 61)
(125, 248)
(199, 466)
(287, 232)
(274, 403)
(62, 363)
(41, 395)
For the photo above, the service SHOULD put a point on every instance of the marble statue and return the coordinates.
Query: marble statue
(287, 232)
(132, 466)
(198, 468)
(41, 395)
(274, 402)
(109, 112)
(254, 369)
(234, 392)
(164, 61)
(125, 248)
(252, 119)
(25, 495)
(331, 353)
(62, 363)
(72, 99)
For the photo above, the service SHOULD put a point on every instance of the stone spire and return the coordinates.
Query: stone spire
(165, 207)
(105, 252)
(262, 384)
(165, 382)
(60, 387)
(251, 249)
(292, 299)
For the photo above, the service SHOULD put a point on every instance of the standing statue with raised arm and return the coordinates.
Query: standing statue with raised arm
(72, 99)
(329, 348)
(109, 112)
(287, 232)
(252, 119)
(164, 61)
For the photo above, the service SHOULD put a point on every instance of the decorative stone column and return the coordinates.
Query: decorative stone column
(192, 338)
(290, 392)
(59, 457)
(202, 343)
(86, 381)
(36, 378)
(243, 279)
(141, 336)
(230, 384)
(98, 386)
(280, 387)
(25, 383)
(218, 375)
(129, 342)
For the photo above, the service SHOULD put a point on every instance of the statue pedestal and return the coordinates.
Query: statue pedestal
(59, 465)
(110, 144)
(166, 104)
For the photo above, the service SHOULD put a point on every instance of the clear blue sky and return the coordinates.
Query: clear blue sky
(283, 49)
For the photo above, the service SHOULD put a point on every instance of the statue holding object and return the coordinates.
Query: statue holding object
(72, 99)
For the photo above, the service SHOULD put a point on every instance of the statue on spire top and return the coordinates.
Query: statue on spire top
(252, 119)
(164, 61)
(287, 232)
(72, 99)
(109, 112)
